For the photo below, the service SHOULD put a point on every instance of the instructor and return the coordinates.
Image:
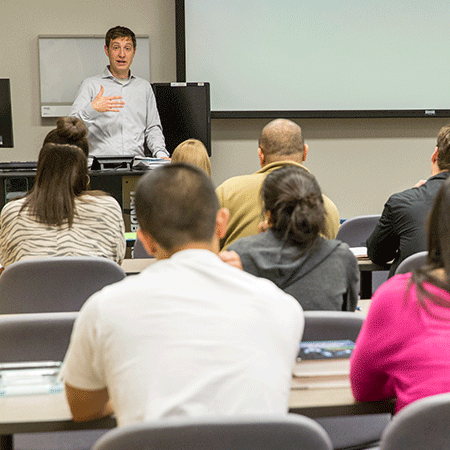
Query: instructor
(118, 108)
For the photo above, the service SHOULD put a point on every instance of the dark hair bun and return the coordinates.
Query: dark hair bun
(71, 128)
(293, 198)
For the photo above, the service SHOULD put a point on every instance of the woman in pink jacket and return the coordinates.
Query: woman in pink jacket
(403, 350)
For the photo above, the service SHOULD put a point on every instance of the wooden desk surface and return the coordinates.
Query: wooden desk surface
(135, 265)
(50, 412)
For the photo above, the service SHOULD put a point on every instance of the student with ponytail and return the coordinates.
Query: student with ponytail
(321, 274)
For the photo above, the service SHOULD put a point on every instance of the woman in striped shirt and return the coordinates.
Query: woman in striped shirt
(59, 216)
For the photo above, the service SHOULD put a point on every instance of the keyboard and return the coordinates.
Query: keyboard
(18, 165)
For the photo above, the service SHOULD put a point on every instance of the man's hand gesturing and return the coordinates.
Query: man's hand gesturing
(107, 104)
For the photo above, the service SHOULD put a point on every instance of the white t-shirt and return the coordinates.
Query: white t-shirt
(188, 336)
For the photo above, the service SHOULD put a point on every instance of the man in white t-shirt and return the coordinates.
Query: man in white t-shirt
(190, 335)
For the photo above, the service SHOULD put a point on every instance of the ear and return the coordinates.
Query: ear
(147, 241)
(221, 222)
(305, 151)
(262, 157)
(434, 156)
(106, 50)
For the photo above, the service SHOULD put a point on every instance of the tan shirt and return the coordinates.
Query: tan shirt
(241, 196)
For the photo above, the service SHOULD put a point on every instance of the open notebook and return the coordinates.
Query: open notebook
(29, 378)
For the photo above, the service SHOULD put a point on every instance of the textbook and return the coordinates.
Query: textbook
(324, 359)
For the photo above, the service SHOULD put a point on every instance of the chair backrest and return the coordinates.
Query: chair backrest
(35, 337)
(423, 424)
(54, 284)
(332, 325)
(412, 262)
(224, 433)
(355, 230)
(139, 250)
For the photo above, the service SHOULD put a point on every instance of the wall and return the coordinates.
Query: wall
(358, 163)
(21, 21)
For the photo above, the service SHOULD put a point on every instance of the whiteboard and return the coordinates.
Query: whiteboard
(65, 61)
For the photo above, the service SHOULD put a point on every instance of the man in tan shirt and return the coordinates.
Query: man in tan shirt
(281, 143)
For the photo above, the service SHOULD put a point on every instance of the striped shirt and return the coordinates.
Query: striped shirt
(97, 230)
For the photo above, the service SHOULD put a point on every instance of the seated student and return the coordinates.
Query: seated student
(403, 348)
(69, 130)
(319, 273)
(59, 216)
(192, 151)
(190, 335)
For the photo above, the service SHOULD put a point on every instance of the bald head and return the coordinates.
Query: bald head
(282, 139)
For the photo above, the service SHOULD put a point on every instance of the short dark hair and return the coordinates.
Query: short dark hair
(69, 130)
(61, 175)
(177, 204)
(119, 32)
(443, 144)
(293, 198)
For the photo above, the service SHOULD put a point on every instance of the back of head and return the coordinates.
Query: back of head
(69, 130)
(443, 144)
(193, 151)
(293, 198)
(119, 32)
(177, 205)
(282, 139)
(61, 175)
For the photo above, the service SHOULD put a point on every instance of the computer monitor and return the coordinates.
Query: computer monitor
(185, 112)
(6, 127)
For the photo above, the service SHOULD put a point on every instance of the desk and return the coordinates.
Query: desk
(39, 413)
(366, 267)
(119, 184)
(135, 265)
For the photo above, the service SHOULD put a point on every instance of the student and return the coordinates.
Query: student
(401, 230)
(281, 143)
(69, 130)
(192, 151)
(402, 350)
(319, 273)
(190, 335)
(118, 108)
(59, 216)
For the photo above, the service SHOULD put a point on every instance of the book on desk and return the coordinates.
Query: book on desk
(323, 364)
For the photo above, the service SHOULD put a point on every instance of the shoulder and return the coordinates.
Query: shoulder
(241, 180)
(12, 207)
(99, 203)
(141, 82)
(95, 80)
(243, 185)
(422, 193)
(101, 199)
(343, 249)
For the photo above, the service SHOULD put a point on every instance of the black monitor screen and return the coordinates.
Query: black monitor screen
(184, 109)
(6, 129)
(6, 136)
